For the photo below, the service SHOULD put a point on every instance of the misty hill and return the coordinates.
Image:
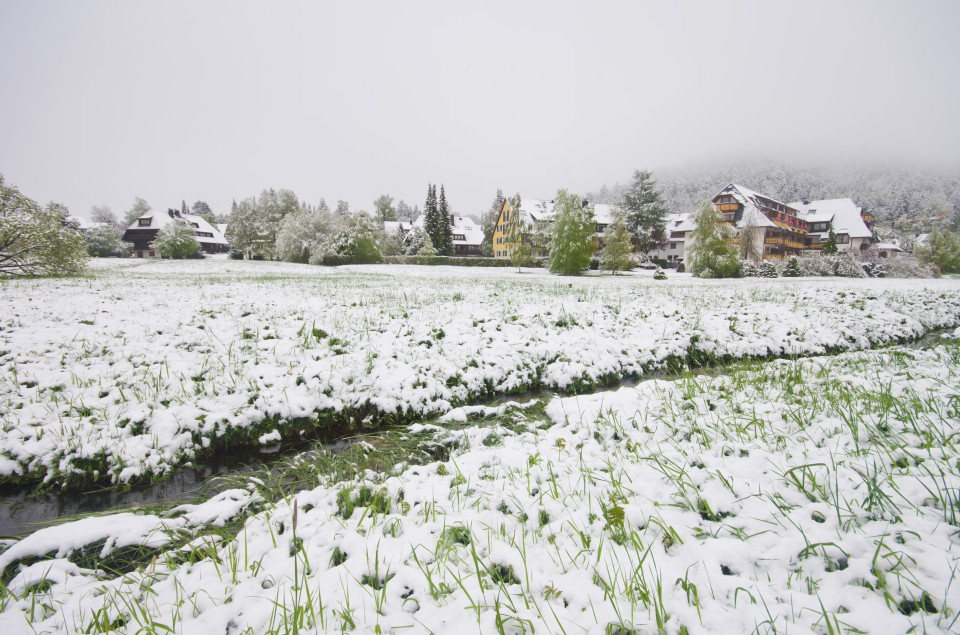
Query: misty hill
(888, 193)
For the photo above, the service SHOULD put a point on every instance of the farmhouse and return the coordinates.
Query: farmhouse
(143, 231)
(466, 234)
(672, 251)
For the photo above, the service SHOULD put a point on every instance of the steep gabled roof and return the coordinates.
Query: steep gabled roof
(843, 213)
(159, 220)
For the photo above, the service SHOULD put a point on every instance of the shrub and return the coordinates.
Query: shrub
(681, 268)
(767, 270)
(236, 254)
(874, 269)
(176, 240)
(659, 274)
(908, 267)
(749, 269)
(792, 269)
(594, 264)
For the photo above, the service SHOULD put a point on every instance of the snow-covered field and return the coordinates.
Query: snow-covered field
(818, 495)
(144, 365)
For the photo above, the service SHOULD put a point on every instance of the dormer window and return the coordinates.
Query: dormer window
(143, 222)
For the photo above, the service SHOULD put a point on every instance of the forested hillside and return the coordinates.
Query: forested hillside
(889, 193)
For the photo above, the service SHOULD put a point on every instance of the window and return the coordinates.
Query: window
(195, 226)
(843, 239)
(673, 245)
(143, 222)
(459, 237)
(205, 234)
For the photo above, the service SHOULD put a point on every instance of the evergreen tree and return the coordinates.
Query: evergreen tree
(830, 244)
(617, 244)
(711, 253)
(430, 211)
(792, 270)
(446, 229)
(404, 212)
(183, 207)
(571, 241)
(343, 209)
(646, 212)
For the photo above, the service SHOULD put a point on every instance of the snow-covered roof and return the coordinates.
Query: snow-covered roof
(888, 246)
(686, 225)
(393, 226)
(160, 219)
(535, 209)
(462, 225)
(751, 202)
(843, 213)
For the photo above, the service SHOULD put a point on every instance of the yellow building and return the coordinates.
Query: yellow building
(533, 211)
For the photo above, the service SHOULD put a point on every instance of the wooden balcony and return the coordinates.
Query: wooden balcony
(728, 207)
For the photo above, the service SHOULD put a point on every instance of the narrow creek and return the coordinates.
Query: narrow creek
(24, 511)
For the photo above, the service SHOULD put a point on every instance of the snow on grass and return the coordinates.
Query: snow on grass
(814, 495)
(142, 366)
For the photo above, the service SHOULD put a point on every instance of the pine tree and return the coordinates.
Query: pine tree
(384, 209)
(571, 242)
(711, 253)
(646, 212)
(830, 245)
(792, 270)
(446, 230)
(430, 211)
(183, 207)
(617, 244)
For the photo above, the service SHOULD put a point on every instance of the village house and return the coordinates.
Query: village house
(143, 231)
(850, 224)
(533, 211)
(465, 233)
(782, 230)
(672, 250)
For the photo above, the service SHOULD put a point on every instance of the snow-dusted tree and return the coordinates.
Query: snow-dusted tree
(405, 212)
(646, 212)
(384, 208)
(176, 240)
(431, 221)
(415, 240)
(305, 233)
(391, 243)
(830, 244)
(942, 248)
(750, 230)
(443, 222)
(343, 209)
(183, 207)
(427, 249)
(792, 269)
(488, 223)
(200, 208)
(617, 244)
(104, 241)
(517, 234)
(359, 237)
(138, 209)
(572, 238)
(246, 227)
(37, 240)
(710, 252)
(102, 215)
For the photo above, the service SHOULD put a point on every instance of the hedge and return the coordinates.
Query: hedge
(334, 260)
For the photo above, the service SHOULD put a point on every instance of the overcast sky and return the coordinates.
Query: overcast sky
(104, 101)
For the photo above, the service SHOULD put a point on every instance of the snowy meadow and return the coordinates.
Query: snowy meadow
(143, 366)
(819, 493)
